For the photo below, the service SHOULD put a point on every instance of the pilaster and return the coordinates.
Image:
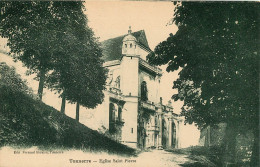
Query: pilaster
(170, 132)
(160, 132)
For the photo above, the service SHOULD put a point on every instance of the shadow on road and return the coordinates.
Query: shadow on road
(195, 164)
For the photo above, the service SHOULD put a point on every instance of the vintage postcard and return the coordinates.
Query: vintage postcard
(116, 83)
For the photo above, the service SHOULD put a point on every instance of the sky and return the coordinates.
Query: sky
(110, 19)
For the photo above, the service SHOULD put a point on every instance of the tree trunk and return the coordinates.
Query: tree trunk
(63, 103)
(77, 112)
(41, 83)
(255, 149)
(229, 158)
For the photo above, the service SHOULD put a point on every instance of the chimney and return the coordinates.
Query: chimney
(129, 31)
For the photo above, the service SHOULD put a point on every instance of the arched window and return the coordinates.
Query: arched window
(131, 45)
(117, 82)
(144, 91)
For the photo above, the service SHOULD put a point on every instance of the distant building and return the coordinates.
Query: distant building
(132, 110)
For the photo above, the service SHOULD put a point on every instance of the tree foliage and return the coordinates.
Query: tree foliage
(217, 48)
(37, 32)
(81, 78)
(53, 40)
(13, 81)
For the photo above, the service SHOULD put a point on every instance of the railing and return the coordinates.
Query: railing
(148, 105)
(167, 108)
(111, 63)
(150, 67)
(117, 121)
(115, 93)
(115, 90)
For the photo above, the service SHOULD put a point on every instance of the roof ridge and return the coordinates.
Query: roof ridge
(121, 36)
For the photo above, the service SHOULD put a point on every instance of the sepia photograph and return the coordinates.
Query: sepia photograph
(129, 83)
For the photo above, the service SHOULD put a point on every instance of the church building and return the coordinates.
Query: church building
(132, 111)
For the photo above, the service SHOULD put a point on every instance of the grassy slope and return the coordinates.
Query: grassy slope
(28, 122)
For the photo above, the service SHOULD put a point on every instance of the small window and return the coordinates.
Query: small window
(135, 46)
(131, 45)
(125, 45)
(132, 130)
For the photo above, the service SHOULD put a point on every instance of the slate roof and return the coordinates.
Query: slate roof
(112, 48)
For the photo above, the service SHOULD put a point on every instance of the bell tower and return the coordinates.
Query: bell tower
(129, 44)
(129, 87)
(129, 65)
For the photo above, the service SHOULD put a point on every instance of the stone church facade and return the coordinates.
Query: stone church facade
(132, 111)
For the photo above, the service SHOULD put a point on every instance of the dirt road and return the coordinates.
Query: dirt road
(76, 158)
(161, 158)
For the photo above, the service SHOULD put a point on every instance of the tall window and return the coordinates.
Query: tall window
(119, 114)
(111, 112)
(156, 120)
(144, 96)
(112, 117)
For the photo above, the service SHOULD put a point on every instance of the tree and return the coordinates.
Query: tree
(86, 82)
(9, 79)
(79, 74)
(82, 78)
(34, 30)
(216, 47)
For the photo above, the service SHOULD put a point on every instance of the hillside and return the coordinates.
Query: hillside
(27, 122)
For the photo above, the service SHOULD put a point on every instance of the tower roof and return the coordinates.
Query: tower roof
(129, 37)
(112, 48)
